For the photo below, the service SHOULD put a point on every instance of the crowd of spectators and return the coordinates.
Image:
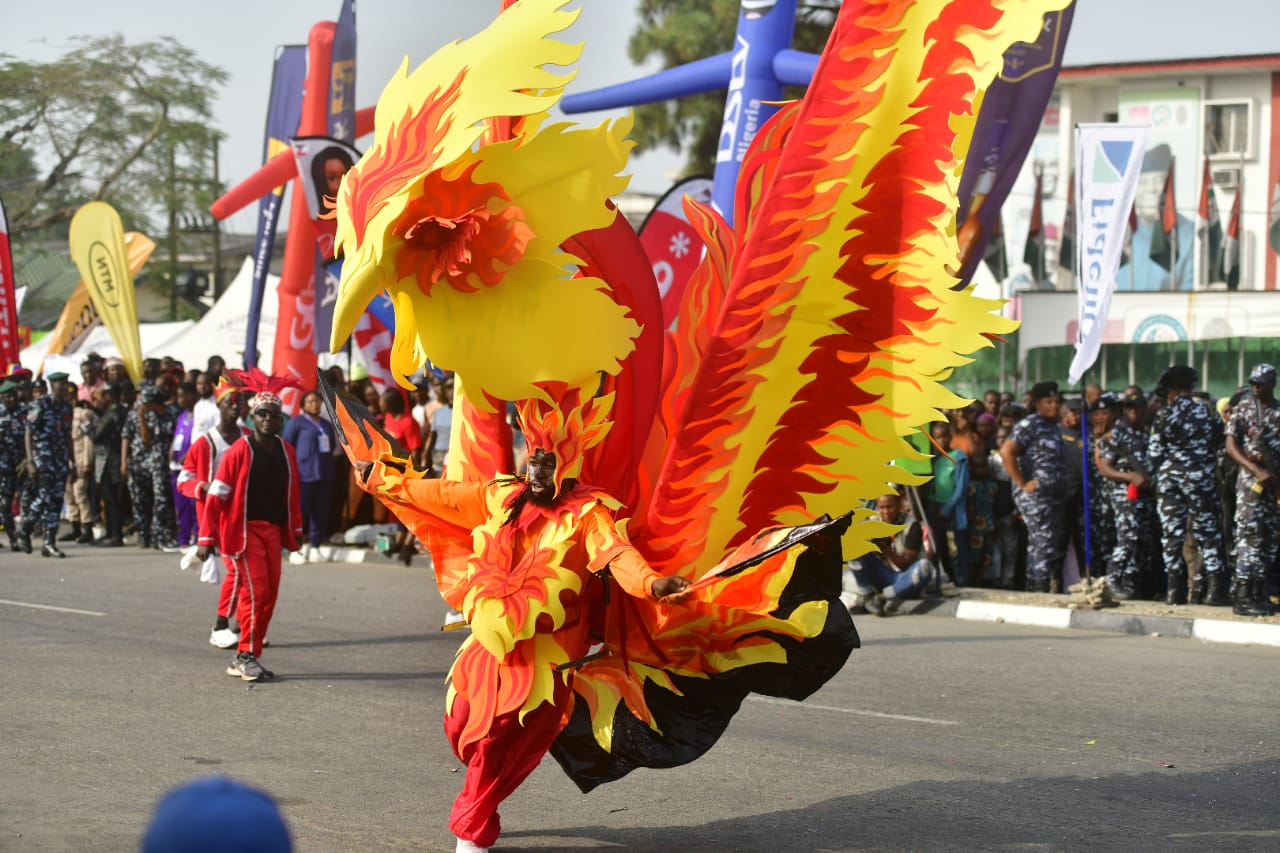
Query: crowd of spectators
(1181, 499)
(108, 455)
(1175, 479)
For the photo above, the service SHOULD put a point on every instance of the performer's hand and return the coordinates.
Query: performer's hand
(32, 470)
(203, 552)
(1030, 486)
(670, 590)
(1264, 476)
(1139, 481)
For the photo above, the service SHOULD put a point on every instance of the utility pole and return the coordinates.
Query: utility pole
(217, 232)
(173, 231)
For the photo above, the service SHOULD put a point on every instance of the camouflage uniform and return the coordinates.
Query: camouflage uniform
(13, 453)
(1041, 457)
(1102, 514)
(49, 423)
(1255, 426)
(1131, 565)
(1184, 457)
(149, 490)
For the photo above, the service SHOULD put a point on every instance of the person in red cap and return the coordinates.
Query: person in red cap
(251, 510)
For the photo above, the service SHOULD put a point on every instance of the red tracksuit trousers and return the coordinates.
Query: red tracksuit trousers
(258, 572)
(500, 761)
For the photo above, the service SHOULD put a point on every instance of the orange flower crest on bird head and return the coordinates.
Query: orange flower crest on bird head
(573, 422)
(460, 231)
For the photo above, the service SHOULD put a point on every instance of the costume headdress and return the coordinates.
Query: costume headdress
(568, 424)
(464, 237)
(224, 387)
(265, 387)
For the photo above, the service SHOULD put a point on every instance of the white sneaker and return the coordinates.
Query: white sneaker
(297, 558)
(224, 638)
(465, 846)
(452, 620)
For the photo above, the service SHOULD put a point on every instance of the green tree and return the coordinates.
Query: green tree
(108, 121)
(682, 31)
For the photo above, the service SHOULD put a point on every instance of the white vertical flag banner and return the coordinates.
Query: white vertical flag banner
(1108, 161)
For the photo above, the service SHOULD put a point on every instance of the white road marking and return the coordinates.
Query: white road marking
(51, 607)
(855, 711)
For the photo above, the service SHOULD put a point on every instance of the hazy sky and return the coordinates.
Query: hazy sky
(241, 37)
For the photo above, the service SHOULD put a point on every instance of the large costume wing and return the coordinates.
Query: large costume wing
(839, 322)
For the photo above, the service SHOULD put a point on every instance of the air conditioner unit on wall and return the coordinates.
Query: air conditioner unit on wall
(1226, 177)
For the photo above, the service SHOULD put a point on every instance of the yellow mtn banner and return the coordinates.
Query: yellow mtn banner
(105, 263)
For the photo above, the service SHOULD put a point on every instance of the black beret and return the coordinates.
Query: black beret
(1180, 377)
(1107, 400)
(1044, 389)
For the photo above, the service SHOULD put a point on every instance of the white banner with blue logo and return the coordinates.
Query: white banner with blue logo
(1108, 161)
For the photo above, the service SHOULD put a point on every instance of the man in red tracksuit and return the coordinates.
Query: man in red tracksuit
(251, 511)
(198, 469)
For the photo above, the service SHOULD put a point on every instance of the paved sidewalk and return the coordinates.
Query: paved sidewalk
(1212, 624)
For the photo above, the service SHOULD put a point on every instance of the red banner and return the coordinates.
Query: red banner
(9, 344)
(673, 247)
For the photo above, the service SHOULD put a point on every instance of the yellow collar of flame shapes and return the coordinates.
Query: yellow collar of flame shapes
(506, 596)
(508, 664)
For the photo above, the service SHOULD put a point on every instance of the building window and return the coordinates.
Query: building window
(1228, 130)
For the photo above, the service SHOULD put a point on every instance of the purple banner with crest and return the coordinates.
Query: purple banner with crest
(1007, 125)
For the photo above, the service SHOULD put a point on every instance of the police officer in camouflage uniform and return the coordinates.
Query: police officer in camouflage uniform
(1121, 460)
(148, 434)
(1103, 414)
(1253, 441)
(1183, 453)
(13, 455)
(1035, 458)
(48, 444)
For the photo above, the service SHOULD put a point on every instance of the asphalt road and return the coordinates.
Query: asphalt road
(939, 735)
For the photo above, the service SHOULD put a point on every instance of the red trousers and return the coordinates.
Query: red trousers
(227, 595)
(500, 761)
(258, 569)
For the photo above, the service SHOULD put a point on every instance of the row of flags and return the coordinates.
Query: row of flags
(1222, 251)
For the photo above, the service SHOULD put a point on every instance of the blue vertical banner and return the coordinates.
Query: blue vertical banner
(764, 31)
(284, 111)
(1008, 122)
(342, 127)
(755, 72)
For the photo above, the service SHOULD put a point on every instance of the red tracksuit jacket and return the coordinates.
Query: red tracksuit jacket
(223, 520)
(200, 464)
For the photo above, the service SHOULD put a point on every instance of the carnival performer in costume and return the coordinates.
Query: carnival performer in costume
(251, 511)
(686, 551)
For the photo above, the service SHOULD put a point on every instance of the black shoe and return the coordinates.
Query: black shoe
(1216, 595)
(71, 535)
(1177, 593)
(1258, 595)
(1243, 602)
(1122, 592)
(1037, 584)
(50, 549)
(85, 537)
(247, 667)
(24, 541)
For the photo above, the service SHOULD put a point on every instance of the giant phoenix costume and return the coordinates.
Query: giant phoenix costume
(726, 450)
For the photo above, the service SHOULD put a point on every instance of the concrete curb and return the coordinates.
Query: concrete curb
(1115, 619)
